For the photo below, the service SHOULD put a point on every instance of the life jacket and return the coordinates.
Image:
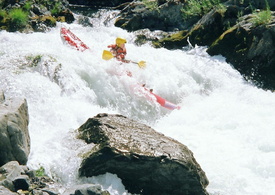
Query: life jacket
(118, 51)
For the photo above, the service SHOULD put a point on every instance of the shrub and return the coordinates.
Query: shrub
(151, 4)
(199, 7)
(18, 18)
(27, 6)
(40, 172)
(3, 14)
(262, 17)
(56, 8)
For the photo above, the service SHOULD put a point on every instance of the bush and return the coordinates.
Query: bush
(262, 17)
(151, 4)
(18, 18)
(199, 7)
(40, 172)
(27, 6)
(56, 8)
(3, 14)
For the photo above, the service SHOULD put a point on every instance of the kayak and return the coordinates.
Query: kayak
(70, 38)
(163, 102)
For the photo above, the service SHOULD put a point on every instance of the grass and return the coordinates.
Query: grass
(18, 18)
(261, 17)
(151, 4)
(199, 7)
(56, 8)
(40, 172)
(27, 6)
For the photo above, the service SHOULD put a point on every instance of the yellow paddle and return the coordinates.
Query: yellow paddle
(107, 55)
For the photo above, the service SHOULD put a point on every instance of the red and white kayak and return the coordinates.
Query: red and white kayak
(163, 102)
(70, 38)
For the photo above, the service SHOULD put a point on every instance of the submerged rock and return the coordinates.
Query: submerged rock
(146, 161)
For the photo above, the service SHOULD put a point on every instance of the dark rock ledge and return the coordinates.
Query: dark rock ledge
(147, 161)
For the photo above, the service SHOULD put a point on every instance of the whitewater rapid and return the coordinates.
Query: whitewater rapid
(227, 123)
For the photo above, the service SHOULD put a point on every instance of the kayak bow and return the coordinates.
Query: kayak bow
(71, 39)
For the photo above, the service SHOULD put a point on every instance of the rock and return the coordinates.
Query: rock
(86, 189)
(36, 16)
(5, 191)
(99, 3)
(14, 134)
(9, 172)
(214, 22)
(159, 16)
(261, 4)
(147, 162)
(2, 97)
(20, 179)
(250, 49)
(21, 183)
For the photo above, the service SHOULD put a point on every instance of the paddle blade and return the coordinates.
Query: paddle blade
(142, 64)
(107, 55)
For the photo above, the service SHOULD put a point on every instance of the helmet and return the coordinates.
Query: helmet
(120, 41)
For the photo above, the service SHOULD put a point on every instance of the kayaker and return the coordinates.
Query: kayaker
(119, 49)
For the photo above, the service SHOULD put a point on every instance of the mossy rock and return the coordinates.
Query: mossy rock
(48, 20)
(174, 41)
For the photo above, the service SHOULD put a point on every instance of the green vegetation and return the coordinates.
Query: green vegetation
(56, 8)
(262, 17)
(3, 14)
(27, 6)
(33, 60)
(200, 7)
(151, 4)
(18, 18)
(40, 172)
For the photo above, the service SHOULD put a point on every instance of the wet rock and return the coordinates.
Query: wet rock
(34, 15)
(147, 161)
(20, 179)
(87, 189)
(99, 3)
(251, 50)
(8, 173)
(158, 16)
(214, 21)
(5, 191)
(261, 4)
(14, 134)
(2, 97)
(21, 183)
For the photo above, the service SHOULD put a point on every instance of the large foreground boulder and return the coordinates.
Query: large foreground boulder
(14, 133)
(146, 161)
